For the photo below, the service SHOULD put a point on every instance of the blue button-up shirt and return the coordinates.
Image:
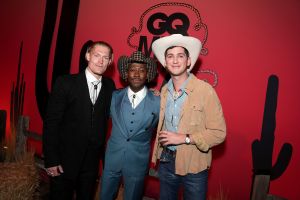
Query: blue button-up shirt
(173, 107)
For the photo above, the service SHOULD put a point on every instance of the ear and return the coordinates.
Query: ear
(87, 56)
(189, 62)
(126, 76)
(111, 59)
(164, 65)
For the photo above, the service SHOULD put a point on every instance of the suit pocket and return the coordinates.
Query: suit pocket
(196, 115)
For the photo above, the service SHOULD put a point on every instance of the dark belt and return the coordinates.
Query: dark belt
(170, 152)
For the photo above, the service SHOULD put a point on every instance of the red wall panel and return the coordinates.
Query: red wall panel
(247, 42)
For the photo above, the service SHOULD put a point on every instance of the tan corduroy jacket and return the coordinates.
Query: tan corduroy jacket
(201, 117)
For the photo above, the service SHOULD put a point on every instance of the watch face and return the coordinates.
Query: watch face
(187, 140)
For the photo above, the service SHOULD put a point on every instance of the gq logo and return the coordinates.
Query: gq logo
(165, 23)
(157, 24)
(160, 23)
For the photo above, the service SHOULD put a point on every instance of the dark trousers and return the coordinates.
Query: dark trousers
(83, 187)
(194, 185)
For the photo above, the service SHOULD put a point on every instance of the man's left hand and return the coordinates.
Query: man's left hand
(171, 138)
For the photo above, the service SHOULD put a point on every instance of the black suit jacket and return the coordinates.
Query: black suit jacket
(73, 124)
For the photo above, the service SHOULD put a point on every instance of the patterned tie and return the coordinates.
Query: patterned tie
(95, 93)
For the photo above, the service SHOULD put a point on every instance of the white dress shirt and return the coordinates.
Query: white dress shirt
(139, 96)
(90, 79)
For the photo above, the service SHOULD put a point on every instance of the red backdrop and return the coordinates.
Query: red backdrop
(247, 42)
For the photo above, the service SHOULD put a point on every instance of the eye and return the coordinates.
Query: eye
(181, 55)
(131, 70)
(106, 58)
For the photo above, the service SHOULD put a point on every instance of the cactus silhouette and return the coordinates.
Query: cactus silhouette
(63, 48)
(262, 149)
(16, 110)
(17, 95)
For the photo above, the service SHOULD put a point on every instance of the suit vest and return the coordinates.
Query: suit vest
(132, 117)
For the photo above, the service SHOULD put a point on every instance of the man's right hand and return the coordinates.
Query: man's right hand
(54, 171)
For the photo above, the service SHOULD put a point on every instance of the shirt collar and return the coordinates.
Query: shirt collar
(140, 94)
(182, 87)
(90, 78)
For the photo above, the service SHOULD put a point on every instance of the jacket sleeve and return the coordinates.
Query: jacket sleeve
(54, 116)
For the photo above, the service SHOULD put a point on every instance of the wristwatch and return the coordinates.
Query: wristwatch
(187, 139)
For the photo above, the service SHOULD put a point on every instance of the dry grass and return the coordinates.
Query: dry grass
(19, 179)
(10, 146)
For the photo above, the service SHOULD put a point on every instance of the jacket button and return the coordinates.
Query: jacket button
(128, 140)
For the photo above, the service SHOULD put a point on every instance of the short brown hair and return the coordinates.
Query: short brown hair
(185, 50)
(101, 43)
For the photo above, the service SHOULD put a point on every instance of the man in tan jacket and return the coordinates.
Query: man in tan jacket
(191, 121)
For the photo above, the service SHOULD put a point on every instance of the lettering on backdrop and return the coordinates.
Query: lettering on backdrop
(164, 19)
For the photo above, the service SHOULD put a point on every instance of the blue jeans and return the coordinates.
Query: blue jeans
(194, 185)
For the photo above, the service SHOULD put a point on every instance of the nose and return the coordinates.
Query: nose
(175, 60)
(136, 73)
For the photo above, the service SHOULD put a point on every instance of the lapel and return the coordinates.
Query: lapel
(83, 86)
(84, 93)
(189, 89)
(100, 102)
(119, 99)
(163, 102)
